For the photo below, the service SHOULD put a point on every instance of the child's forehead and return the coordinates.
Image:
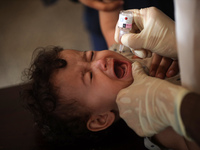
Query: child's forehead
(69, 52)
(70, 56)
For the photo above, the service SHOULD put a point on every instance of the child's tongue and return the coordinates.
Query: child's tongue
(119, 71)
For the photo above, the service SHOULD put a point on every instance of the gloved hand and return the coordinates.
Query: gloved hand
(149, 104)
(152, 31)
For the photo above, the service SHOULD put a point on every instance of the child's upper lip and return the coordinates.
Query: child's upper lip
(121, 69)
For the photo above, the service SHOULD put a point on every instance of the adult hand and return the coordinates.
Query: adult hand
(103, 5)
(153, 31)
(149, 104)
(162, 67)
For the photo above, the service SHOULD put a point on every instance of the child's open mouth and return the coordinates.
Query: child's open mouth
(120, 68)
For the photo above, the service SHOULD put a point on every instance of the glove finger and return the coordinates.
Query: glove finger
(138, 72)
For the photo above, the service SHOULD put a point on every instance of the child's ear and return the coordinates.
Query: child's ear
(100, 122)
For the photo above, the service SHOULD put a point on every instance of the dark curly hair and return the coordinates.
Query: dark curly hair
(62, 123)
(41, 97)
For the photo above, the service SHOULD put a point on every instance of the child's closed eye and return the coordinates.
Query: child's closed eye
(92, 55)
(91, 75)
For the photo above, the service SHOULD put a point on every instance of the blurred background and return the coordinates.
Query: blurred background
(28, 24)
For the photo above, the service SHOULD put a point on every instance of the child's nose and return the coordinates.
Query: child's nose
(99, 64)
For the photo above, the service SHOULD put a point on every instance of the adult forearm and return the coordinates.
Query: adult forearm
(190, 113)
(108, 21)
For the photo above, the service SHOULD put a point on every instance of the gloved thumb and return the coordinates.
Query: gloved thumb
(138, 71)
(142, 53)
(132, 40)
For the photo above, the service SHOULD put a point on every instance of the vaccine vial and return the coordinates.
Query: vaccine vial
(124, 25)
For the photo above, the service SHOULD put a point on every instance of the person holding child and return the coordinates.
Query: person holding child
(158, 35)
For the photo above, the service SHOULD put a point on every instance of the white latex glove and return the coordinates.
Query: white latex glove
(156, 33)
(150, 104)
